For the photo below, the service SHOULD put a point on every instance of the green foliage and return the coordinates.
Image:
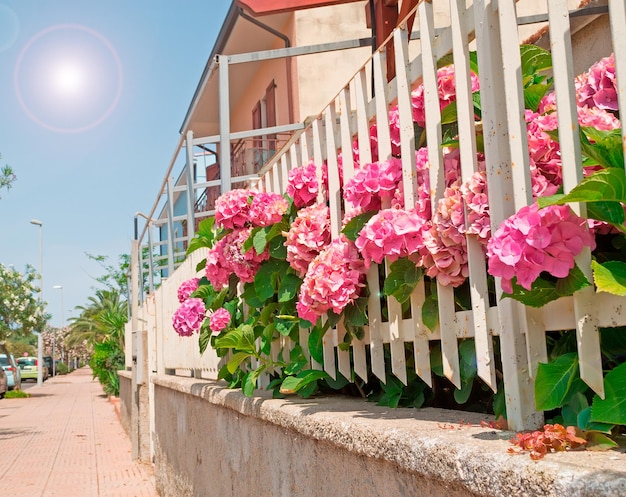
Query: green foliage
(62, 368)
(544, 290)
(106, 361)
(7, 177)
(16, 394)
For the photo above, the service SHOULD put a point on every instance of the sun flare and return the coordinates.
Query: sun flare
(68, 78)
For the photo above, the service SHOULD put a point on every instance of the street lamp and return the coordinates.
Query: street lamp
(37, 222)
(54, 364)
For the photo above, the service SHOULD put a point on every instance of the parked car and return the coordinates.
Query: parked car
(29, 367)
(48, 361)
(14, 375)
(3, 383)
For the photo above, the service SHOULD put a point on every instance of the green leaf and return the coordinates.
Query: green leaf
(462, 395)
(430, 312)
(204, 237)
(285, 326)
(248, 384)
(230, 340)
(575, 405)
(355, 314)
(392, 392)
(610, 277)
(278, 250)
(250, 297)
(204, 338)
(574, 281)
(609, 212)
(355, 225)
(543, 291)
(259, 240)
(606, 185)
(294, 383)
(613, 343)
(289, 287)
(603, 147)
(266, 279)
(554, 380)
(247, 339)
(599, 441)
(533, 95)
(236, 359)
(267, 337)
(584, 422)
(402, 279)
(499, 402)
(534, 60)
(316, 348)
(612, 409)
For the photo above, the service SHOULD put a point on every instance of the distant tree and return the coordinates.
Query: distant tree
(21, 311)
(7, 177)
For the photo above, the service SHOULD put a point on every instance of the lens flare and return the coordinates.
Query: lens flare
(68, 78)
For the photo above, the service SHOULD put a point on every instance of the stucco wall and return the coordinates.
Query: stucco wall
(237, 446)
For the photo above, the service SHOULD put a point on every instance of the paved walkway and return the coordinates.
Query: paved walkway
(66, 440)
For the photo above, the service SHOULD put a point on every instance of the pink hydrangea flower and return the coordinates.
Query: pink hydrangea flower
(447, 93)
(303, 185)
(334, 280)
(446, 258)
(232, 209)
(598, 86)
(267, 209)
(374, 183)
(219, 320)
(391, 233)
(227, 257)
(536, 240)
(307, 236)
(476, 200)
(187, 288)
(189, 317)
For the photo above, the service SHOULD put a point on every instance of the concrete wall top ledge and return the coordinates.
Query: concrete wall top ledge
(446, 445)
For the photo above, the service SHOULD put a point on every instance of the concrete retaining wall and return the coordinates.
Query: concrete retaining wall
(125, 399)
(210, 440)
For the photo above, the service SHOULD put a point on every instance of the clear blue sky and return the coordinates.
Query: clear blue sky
(93, 95)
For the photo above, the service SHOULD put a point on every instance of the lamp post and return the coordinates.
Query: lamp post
(37, 222)
(54, 363)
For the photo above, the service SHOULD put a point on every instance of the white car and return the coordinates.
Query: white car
(13, 373)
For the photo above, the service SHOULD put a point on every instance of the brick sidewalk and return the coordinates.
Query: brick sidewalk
(66, 440)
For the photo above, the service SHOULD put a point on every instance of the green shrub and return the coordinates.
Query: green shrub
(16, 394)
(61, 368)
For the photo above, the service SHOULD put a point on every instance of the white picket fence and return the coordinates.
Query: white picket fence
(491, 27)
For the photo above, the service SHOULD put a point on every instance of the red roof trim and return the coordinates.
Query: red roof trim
(263, 7)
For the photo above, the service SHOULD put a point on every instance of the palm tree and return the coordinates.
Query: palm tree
(102, 319)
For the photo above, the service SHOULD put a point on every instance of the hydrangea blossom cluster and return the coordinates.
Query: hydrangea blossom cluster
(535, 240)
(303, 185)
(334, 280)
(391, 233)
(267, 209)
(446, 258)
(476, 200)
(598, 86)
(373, 184)
(241, 208)
(187, 288)
(232, 209)
(447, 92)
(219, 320)
(189, 317)
(307, 236)
(227, 256)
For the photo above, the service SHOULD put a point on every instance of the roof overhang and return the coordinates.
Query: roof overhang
(265, 7)
(238, 35)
